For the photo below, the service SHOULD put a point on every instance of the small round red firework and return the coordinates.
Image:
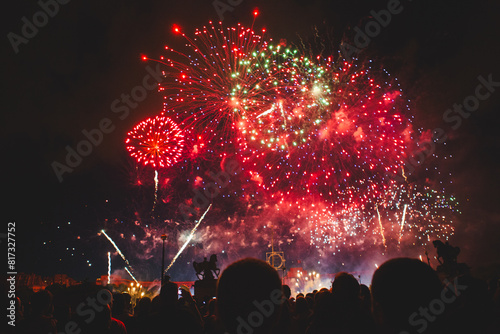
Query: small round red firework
(157, 142)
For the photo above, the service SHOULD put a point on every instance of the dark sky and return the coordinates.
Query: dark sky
(64, 79)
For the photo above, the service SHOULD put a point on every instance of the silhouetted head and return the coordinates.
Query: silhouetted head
(155, 303)
(345, 286)
(437, 243)
(364, 294)
(301, 305)
(322, 301)
(211, 306)
(310, 299)
(143, 307)
(127, 299)
(399, 287)
(287, 291)
(118, 304)
(364, 291)
(100, 323)
(41, 303)
(169, 295)
(249, 296)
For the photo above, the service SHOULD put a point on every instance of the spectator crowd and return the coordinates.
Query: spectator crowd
(405, 296)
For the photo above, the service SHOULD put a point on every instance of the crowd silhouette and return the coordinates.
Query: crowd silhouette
(405, 296)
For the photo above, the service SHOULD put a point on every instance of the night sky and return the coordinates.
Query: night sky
(64, 79)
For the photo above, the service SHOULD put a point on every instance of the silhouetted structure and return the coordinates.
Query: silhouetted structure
(206, 269)
(207, 273)
(447, 257)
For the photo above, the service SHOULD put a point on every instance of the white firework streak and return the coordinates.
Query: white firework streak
(381, 226)
(156, 189)
(273, 107)
(121, 254)
(109, 268)
(270, 110)
(188, 239)
(402, 223)
(131, 274)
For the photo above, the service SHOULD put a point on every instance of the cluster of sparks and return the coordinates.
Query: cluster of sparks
(319, 133)
(407, 214)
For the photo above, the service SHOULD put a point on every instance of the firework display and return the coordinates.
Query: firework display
(315, 139)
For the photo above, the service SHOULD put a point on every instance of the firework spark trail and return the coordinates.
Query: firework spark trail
(402, 223)
(131, 275)
(188, 239)
(381, 227)
(119, 252)
(116, 247)
(156, 189)
(109, 268)
(270, 110)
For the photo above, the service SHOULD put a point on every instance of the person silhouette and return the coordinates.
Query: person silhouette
(249, 297)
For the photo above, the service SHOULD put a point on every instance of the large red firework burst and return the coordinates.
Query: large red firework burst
(156, 142)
